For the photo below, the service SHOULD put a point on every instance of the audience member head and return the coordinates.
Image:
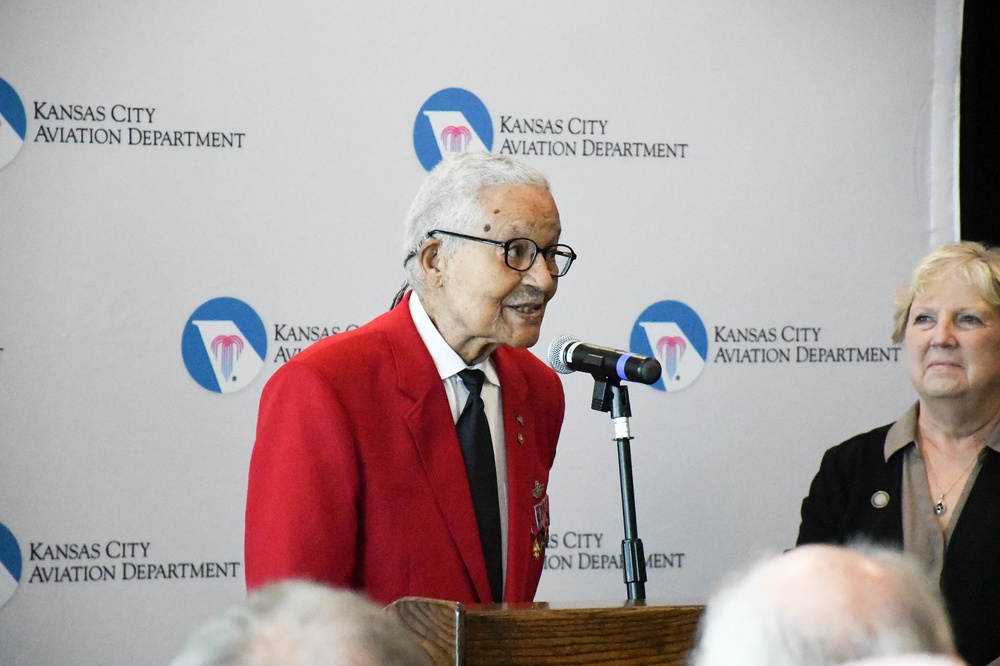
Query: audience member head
(974, 263)
(298, 623)
(821, 604)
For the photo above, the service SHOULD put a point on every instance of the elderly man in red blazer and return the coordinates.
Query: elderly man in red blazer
(360, 474)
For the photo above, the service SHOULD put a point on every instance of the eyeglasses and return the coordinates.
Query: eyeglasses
(520, 253)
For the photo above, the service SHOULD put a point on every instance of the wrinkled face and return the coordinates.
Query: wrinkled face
(480, 302)
(952, 343)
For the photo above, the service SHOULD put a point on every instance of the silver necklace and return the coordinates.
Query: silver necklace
(940, 507)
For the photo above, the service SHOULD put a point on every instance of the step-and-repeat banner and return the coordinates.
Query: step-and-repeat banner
(191, 193)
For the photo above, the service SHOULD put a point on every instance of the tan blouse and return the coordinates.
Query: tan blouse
(921, 535)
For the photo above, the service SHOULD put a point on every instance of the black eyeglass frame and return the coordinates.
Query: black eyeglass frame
(559, 248)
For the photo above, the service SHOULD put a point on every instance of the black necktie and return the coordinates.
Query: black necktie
(481, 468)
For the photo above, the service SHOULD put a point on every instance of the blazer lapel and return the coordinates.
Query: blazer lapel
(436, 441)
(519, 433)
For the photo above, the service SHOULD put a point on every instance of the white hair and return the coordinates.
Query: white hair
(299, 623)
(823, 605)
(451, 199)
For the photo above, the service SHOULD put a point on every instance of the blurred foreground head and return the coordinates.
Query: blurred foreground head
(821, 604)
(298, 623)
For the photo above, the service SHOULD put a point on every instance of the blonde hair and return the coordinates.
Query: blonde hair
(975, 263)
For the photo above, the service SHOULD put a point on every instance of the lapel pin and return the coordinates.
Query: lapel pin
(880, 499)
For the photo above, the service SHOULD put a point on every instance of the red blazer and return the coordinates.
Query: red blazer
(357, 479)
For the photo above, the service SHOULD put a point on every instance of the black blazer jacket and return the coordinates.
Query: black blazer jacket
(841, 508)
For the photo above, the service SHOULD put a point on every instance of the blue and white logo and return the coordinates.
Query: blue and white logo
(452, 120)
(674, 335)
(224, 345)
(10, 565)
(13, 123)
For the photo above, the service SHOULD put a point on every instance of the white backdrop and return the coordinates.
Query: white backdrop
(812, 163)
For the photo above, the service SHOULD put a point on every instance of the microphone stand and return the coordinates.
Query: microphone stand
(611, 396)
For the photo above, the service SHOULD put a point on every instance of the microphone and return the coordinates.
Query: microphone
(567, 354)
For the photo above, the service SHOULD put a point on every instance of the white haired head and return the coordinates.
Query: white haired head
(822, 604)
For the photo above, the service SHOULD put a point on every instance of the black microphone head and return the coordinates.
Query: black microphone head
(648, 371)
(557, 353)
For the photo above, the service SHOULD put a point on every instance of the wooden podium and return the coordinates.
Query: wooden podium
(541, 634)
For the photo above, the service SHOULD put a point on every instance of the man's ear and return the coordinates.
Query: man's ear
(432, 261)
